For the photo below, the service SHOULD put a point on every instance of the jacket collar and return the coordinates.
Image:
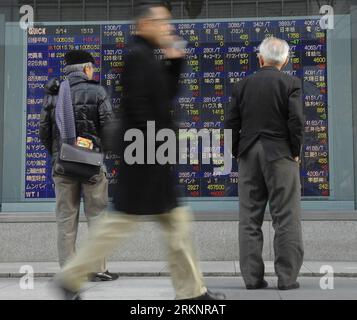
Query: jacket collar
(271, 68)
(78, 78)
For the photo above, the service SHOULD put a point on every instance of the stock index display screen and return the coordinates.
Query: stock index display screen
(219, 54)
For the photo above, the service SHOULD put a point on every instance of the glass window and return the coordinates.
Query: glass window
(223, 37)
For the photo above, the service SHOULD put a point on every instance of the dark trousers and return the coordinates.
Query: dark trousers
(276, 182)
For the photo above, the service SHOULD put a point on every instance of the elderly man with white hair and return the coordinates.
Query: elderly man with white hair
(266, 119)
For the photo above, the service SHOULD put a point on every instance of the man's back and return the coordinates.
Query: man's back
(91, 108)
(268, 104)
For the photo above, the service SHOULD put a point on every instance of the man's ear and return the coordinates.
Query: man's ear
(86, 70)
(261, 60)
(140, 25)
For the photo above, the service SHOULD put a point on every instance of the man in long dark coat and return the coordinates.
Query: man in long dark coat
(148, 187)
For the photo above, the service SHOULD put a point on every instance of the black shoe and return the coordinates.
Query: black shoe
(209, 295)
(217, 295)
(103, 276)
(293, 286)
(65, 293)
(69, 295)
(261, 285)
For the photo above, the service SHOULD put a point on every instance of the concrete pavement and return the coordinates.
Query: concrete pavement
(148, 280)
(209, 268)
(159, 288)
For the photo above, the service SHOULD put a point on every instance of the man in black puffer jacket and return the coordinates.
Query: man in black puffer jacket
(92, 109)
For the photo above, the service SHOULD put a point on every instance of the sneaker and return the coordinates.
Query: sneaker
(103, 276)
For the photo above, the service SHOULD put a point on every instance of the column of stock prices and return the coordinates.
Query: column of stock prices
(219, 54)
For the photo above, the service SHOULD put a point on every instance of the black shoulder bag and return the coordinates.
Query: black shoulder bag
(78, 162)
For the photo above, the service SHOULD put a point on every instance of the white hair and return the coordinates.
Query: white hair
(274, 50)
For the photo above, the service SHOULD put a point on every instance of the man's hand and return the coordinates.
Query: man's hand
(173, 53)
(174, 48)
(297, 159)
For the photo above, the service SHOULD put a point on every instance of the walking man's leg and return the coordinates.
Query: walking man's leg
(68, 196)
(253, 198)
(184, 266)
(109, 231)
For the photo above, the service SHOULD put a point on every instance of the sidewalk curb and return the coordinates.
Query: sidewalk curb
(167, 274)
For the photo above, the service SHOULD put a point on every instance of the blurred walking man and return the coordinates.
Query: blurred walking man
(149, 85)
(266, 117)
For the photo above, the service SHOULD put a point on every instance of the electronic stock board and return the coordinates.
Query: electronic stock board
(219, 54)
